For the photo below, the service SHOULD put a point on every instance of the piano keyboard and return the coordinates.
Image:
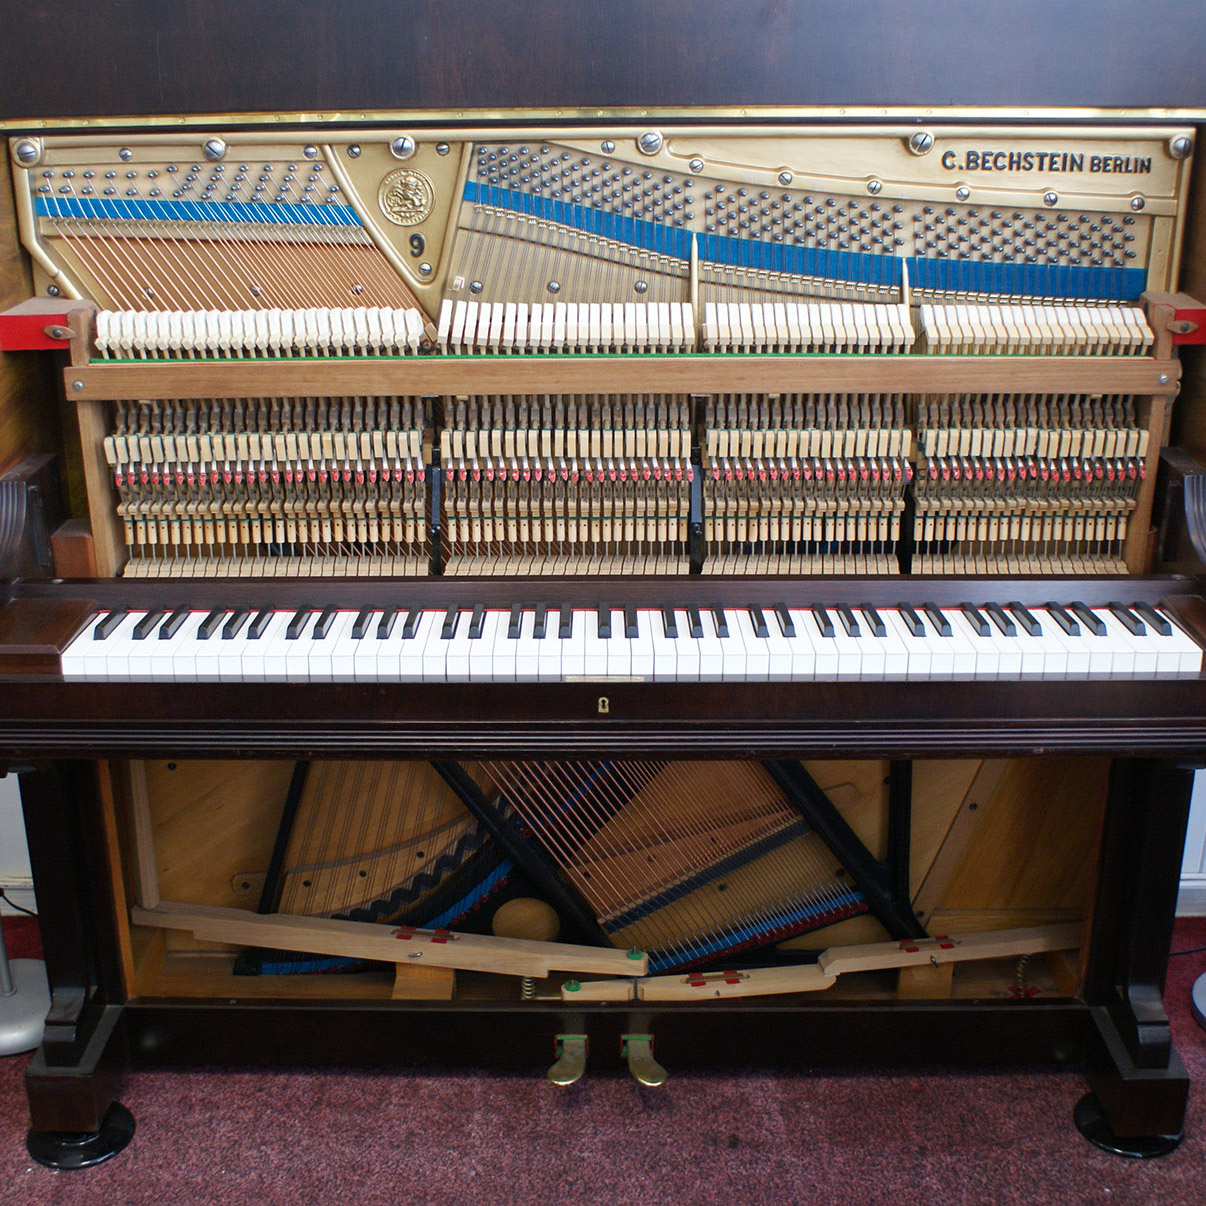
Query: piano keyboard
(673, 644)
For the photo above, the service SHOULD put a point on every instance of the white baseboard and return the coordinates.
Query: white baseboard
(21, 892)
(1191, 900)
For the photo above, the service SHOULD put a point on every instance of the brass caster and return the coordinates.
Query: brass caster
(637, 1049)
(571, 1059)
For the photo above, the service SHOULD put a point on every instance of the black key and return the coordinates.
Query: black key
(211, 623)
(565, 624)
(878, 627)
(824, 623)
(975, 619)
(1001, 620)
(631, 631)
(385, 625)
(108, 624)
(942, 626)
(171, 625)
(604, 623)
(1095, 624)
(1027, 621)
(670, 624)
(912, 620)
(235, 624)
(1131, 622)
(410, 626)
(695, 620)
(297, 624)
(361, 623)
(476, 621)
(849, 623)
(261, 622)
(759, 622)
(722, 622)
(146, 625)
(786, 625)
(1153, 617)
(515, 623)
(451, 618)
(1061, 617)
(323, 624)
(542, 619)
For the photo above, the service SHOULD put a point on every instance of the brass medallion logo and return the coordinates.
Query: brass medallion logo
(406, 197)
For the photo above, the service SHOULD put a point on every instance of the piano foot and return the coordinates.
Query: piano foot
(64, 1150)
(571, 1059)
(637, 1049)
(1091, 1121)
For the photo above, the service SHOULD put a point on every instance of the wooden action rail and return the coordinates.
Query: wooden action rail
(834, 962)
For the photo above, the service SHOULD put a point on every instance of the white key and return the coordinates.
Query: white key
(1131, 658)
(665, 649)
(917, 649)
(548, 665)
(527, 649)
(118, 647)
(806, 646)
(1177, 653)
(365, 651)
(640, 647)
(183, 648)
(711, 648)
(757, 653)
(457, 649)
(687, 649)
(732, 650)
(408, 655)
(327, 650)
(483, 665)
(144, 664)
(864, 654)
(1079, 657)
(596, 650)
(975, 657)
(265, 653)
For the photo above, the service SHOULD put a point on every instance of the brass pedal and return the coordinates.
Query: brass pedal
(637, 1049)
(571, 1059)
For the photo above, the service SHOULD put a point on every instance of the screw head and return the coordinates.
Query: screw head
(641, 287)
(77, 385)
(696, 165)
(1163, 379)
(475, 287)
(875, 187)
(962, 193)
(52, 291)
(1180, 147)
(310, 152)
(607, 146)
(785, 177)
(650, 142)
(402, 147)
(1050, 199)
(125, 154)
(213, 149)
(1137, 203)
(553, 286)
(424, 269)
(920, 141)
(27, 152)
(442, 148)
(354, 151)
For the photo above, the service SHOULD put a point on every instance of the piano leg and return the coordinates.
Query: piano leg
(73, 1077)
(1139, 1084)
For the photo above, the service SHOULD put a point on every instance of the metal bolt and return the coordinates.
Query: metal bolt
(354, 151)
(696, 165)
(52, 291)
(607, 146)
(641, 286)
(425, 268)
(1137, 203)
(475, 286)
(213, 149)
(1050, 199)
(27, 152)
(920, 141)
(649, 143)
(962, 193)
(1163, 379)
(442, 148)
(1180, 147)
(554, 286)
(77, 385)
(785, 177)
(875, 187)
(125, 154)
(402, 147)
(310, 152)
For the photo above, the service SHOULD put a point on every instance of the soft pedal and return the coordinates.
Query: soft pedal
(571, 1059)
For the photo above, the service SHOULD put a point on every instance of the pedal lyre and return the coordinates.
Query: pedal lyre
(571, 1059)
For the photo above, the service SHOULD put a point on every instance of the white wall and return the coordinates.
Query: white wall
(14, 858)
(1192, 900)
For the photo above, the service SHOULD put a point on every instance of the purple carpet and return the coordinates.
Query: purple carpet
(321, 1137)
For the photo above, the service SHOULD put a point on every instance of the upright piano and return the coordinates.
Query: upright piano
(548, 589)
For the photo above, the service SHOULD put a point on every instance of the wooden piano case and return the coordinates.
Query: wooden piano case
(971, 807)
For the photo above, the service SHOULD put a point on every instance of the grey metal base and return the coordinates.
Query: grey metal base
(1197, 1001)
(23, 1012)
